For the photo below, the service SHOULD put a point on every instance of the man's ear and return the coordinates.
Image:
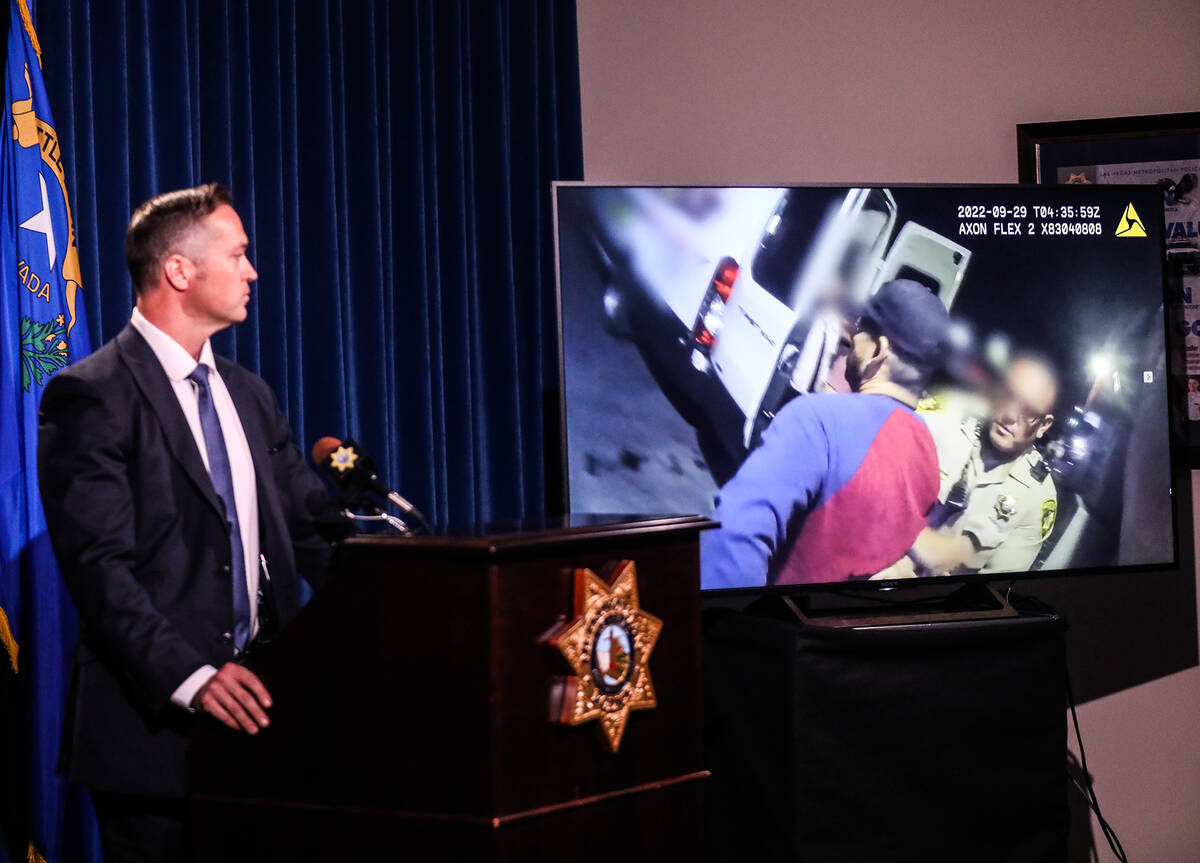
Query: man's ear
(883, 349)
(1044, 425)
(177, 271)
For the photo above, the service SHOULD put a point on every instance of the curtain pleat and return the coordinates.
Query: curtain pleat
(392, 164)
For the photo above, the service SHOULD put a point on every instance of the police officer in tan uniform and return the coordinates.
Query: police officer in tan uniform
(997, 502)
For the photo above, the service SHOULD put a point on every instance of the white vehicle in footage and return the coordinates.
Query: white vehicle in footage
(771, 321)
(738, 298)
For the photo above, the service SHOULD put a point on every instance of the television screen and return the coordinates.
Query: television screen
(872, 383)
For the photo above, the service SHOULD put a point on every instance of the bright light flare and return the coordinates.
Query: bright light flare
(1100, 365)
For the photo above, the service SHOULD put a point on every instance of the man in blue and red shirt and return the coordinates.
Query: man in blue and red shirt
(842, 482)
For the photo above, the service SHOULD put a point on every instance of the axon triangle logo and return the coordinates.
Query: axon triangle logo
(1130, 224)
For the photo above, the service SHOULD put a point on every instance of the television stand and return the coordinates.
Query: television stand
(916, 606)
(885, 743)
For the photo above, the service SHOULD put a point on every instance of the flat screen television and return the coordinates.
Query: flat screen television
(709, 338)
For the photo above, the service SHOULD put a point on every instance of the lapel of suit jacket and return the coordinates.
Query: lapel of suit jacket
(156, 387)
(272, 523)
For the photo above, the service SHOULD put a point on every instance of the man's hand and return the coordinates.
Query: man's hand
(941, 551)
(903, 568)
(236, 697)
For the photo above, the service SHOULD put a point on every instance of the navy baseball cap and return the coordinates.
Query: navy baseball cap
(913, 319)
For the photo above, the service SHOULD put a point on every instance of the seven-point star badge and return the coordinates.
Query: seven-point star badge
(608, 646)
(343, 458)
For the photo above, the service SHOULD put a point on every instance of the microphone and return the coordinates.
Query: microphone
(353, 472)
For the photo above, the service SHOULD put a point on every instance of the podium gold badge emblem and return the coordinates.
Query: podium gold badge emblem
(608, 646)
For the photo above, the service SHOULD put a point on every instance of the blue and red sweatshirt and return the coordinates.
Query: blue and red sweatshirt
(840, 487)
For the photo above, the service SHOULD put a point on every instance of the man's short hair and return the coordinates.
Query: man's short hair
(913, 376)
(159, 225)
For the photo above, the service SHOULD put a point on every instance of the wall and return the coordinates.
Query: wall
(721, 91)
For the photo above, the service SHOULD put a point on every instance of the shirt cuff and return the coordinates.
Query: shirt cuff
(187, 690)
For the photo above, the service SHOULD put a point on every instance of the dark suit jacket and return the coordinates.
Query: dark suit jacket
(137, 530)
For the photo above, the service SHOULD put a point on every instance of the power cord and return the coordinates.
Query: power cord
(1086, 789)
(1032, 605)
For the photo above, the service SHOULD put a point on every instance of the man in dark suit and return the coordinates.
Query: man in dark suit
(182, 515)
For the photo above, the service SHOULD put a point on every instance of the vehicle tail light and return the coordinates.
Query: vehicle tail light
(708, 319)
(726, 275)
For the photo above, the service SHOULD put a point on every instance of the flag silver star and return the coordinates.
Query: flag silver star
(40, 223)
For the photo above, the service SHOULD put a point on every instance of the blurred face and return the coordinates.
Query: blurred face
(219, 284)
(1193, 385)
(863, 349)
(1022, 408)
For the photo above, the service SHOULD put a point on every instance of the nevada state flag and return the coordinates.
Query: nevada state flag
(42, 329)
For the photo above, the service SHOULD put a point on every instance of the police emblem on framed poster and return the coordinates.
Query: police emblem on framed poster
(608, 646)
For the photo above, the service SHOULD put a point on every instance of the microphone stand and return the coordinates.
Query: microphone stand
(395, 521)
(352, 471)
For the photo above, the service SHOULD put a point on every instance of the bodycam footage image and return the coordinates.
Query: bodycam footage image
(871, 383)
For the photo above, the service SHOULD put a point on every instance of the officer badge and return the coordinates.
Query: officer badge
(608, 646)
(1005, 508)
(1049, 513)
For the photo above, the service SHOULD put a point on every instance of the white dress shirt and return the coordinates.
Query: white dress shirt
(178, 364)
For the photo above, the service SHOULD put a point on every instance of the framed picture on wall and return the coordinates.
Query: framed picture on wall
(1159, 149)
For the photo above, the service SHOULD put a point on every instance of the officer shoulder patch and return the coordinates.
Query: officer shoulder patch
(931, 404)
(1049, 511)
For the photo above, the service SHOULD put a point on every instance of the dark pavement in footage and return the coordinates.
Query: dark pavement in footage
(628, 450)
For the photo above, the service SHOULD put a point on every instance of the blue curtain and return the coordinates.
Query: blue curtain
(392, 164)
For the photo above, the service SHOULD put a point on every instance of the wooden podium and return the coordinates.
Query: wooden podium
(414, 703)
